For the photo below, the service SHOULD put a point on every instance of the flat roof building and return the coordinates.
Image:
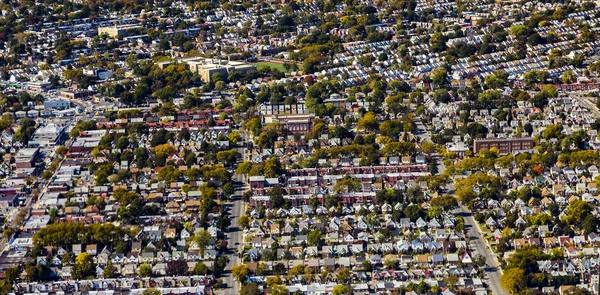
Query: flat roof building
(25, 157)
(116, 31)
(504, 145)
(207, 67)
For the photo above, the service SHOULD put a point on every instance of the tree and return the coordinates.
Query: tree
(110, 271)
(549, 91)
(244, 221)
(577, 211)
(168, 174)
(26, 130)
(315, 238)
(552, 131)
(513, 280)
(234, 137)
(344, 275)
(518, 30)
(177, 268)
(84, 266)
(229, 157)
(8, 233)
(202, 239)
(278, 290)
(200, 269)
(250, 289)
(151, 291)
(220, 265)
(164, 150)
(427, 147)
(228, 189)
(446, 202)
(569, 77)
(273, 167)
(578, 291)
(145, 270)
(262, 268)
(347, 184)
(243, 168)
(342, 290)
(240, 272)
(368, 123)
(439, 76)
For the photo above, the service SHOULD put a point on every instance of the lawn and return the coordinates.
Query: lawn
(262, 64)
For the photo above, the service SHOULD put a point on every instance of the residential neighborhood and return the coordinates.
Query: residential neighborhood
(300, 147)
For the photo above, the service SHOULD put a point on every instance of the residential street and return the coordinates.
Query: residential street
(480, 246)
(585, 102)
(235, 237)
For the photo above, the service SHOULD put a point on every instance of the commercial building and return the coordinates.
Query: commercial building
(298, 123)
(49, 136)
(57, 104)
(504, 145)
(116, 31)
(25, 157)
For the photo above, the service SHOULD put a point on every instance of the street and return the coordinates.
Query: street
(423, 135)
(235, 237)
(480, 248)
(585, 102)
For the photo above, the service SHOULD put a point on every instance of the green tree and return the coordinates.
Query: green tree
(347, 184)
(342, 290)
(84, 267)
(447, 202)
(250, 289)
(315, 238)
(200, 269)
(229, 157)
(273, 167)
(145, 270)
(151, 291)
(569, 77)
(168, 174)
(244, 221)
(234, 137)
(439, 76)
(368, 123)
(202, 239)
(344, 276)
(240, 272)
(243, 168)
(552, 131)
(577, 211)
(513, 280)
(278, 290)
(110, 271)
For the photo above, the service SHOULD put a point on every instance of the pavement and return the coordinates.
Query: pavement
(477, 242)
(423, 135)
(235, 237)
(585, 102)
(29, 203)
(481, 247)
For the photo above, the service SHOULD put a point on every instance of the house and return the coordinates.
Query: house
(91, 249)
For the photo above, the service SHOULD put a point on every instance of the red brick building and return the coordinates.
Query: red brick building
(504, 145)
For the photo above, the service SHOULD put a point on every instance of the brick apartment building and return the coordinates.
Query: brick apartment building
(504, 145)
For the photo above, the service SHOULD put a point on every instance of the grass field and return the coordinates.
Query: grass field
(262, 64)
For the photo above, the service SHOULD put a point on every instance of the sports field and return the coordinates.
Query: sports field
(261, 64)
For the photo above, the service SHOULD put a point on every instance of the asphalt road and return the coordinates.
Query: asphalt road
(477, 243)
(235, 238)
(586, 103)
(423, 135)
